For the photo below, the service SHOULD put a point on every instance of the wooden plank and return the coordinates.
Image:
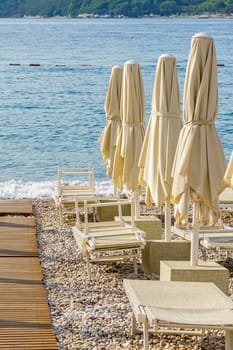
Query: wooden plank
(16, 269)
(17, 223)
(13, 245)
(18, 337)
(18, 236)
(16, 206)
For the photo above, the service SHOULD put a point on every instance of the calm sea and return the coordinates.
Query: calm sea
(54, 76)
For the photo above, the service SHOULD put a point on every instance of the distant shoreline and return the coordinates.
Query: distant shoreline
(94, 16)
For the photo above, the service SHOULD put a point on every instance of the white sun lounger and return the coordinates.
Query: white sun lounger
(219, 238)
(83, 187)
(179, 305)
(217, 243)
(226, 198)
(109, 240)
(227, 231)
(224, 242)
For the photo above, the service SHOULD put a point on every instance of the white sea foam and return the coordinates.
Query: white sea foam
(43, 189)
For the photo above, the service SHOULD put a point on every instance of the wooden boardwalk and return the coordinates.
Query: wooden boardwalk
(16, 206)
(25, 321)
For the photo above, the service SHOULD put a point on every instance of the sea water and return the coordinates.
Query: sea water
(54, 76)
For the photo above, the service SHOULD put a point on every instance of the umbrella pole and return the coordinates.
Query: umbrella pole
(137, 205)
(167, 219)
(195, 236)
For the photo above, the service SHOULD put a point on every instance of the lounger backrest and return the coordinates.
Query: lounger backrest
(82, 174)
(117, 203)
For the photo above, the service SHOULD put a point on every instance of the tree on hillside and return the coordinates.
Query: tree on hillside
(168, 8)
(131, 8)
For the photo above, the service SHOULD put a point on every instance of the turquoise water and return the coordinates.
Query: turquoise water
(52, 113)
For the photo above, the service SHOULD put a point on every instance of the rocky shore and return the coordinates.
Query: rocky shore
(96, 314)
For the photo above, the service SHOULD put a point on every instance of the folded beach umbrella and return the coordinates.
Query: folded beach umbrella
(228, 176)
(161, 138)
(125, 169)
(109, 136)
(199, 163)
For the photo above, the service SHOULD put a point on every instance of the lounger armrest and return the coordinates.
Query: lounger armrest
(109, 204)
(79, 233)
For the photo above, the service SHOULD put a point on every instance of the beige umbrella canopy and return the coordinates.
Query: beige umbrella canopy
(199, 163)
(161, 137)
(228, 176)
(109, 136)
(125, 169)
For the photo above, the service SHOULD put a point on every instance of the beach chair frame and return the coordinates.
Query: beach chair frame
(109, 241)
(65, 194)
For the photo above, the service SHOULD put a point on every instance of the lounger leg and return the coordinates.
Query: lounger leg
(60, 214)
(135, 263)
(133, 325)
(88, 265)
(219, 252)
(203, 251)
(77, 211)
(145, 335)
(228, 340)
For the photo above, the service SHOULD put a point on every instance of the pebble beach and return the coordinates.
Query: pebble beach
(96, 314)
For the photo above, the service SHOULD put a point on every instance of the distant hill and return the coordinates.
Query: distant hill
(130, 8)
